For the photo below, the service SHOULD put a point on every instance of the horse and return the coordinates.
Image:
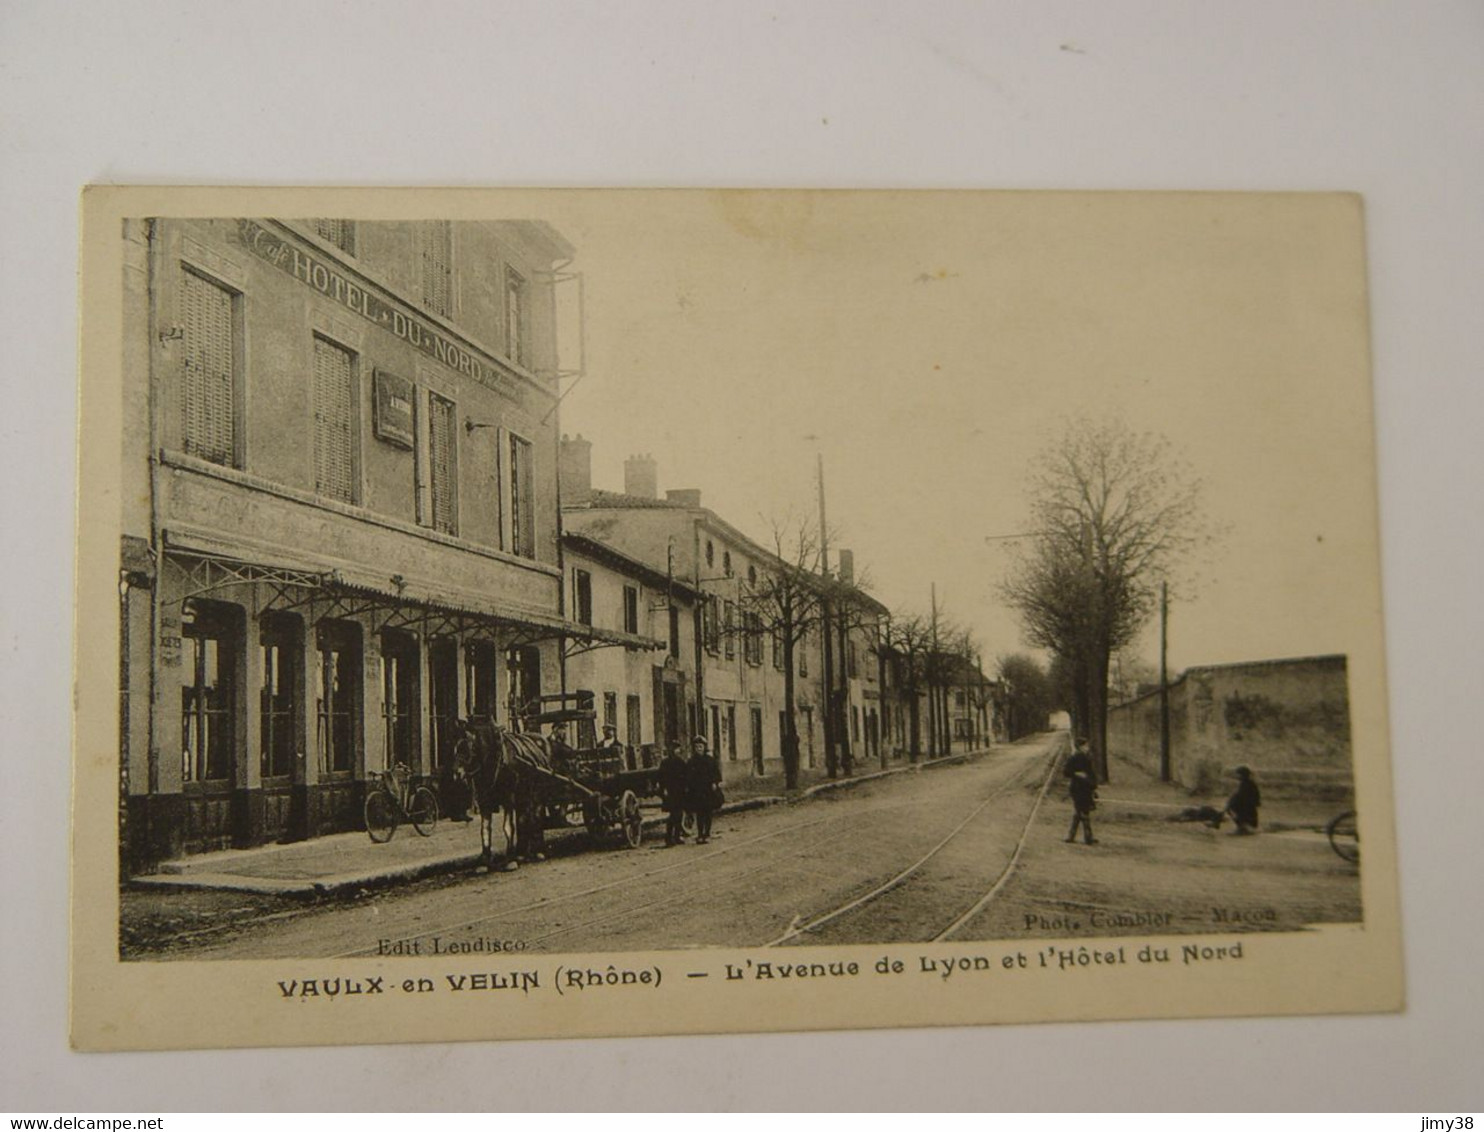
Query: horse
(499, 764)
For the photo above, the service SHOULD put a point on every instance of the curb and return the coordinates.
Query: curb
(417, 870)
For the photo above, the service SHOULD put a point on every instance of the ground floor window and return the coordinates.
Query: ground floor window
(278, 697)
(210, 643)
(634, 736)
(338, 696)
(481, 662)
(523, 678)
(400, 696)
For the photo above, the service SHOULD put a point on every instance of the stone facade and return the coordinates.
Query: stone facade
(1288, 720)
(341, 519)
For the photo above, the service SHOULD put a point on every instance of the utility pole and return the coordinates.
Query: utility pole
(831, 762)
(934, 662)
(1164, 682)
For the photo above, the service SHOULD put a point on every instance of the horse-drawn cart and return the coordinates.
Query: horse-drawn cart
(595, 787)
(540, 784)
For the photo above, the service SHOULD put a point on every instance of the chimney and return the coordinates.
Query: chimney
(641, 477)
(576, 471)
(847, 566)
(684, 496)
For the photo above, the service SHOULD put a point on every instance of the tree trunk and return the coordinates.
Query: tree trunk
(914, 723)
(1097, 737)
(831, 759)
(790, 728)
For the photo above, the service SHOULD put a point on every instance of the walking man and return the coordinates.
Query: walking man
(704, 777)
(1083, 789)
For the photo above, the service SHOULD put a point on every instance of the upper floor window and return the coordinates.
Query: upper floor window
(522, 499)
(710, 553)
(334, 422)
(726, 563)
(210, 369)
(517, 313)
(442, 465)
(728, 628)
(435, 251)
(709, 633)
(582, 596)
(630, 609)
(752, 575)
(341, 233)
(752, 640)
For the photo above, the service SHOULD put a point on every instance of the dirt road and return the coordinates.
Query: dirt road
(962, 850)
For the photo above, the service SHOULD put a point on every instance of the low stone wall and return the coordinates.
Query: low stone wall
(1289, 720)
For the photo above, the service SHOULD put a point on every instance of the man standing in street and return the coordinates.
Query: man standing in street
(704, 777)
(673, 779)
(1084, 791)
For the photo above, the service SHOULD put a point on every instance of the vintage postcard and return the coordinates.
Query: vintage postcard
(510, 614)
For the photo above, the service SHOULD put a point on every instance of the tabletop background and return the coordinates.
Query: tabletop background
(1383, 99)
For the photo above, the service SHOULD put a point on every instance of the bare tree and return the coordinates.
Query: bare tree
(1115, 512)
(907, 637)
(786, 603)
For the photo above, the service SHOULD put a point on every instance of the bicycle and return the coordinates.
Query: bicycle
(1344, 836)
(393, 800)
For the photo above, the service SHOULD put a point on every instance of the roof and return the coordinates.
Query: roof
(604, 499)
(602, 552)
(621, 501)
(244, 561)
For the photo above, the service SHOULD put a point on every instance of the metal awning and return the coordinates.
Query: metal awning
(339, 590)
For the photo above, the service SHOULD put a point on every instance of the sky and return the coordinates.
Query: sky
(929, 345)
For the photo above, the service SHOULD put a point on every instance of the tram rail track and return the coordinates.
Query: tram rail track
(796, 930)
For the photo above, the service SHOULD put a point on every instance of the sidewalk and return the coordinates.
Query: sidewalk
(347, 862)
(1135, 794)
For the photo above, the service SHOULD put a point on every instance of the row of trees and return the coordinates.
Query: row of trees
(798, 599)
(1115, 514)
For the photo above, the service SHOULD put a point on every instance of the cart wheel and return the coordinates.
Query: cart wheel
(423, 811)
(630, 820)
(1344, 837)
(381, 817)
(593, 819)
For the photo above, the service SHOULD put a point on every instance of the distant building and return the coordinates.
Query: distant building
(340, 513)
(647, 695)
(736, 695)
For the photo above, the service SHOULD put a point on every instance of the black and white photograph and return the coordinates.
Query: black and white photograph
(757, 579)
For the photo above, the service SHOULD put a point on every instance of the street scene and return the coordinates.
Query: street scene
(420, 654)
(965, 849)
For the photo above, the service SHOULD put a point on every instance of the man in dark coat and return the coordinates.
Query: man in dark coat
(1244, 802)
(673, 783)
(703, 776)
(1084, 791)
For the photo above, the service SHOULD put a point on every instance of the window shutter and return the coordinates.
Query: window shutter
(341, 233)
(441, 462)
(437, 256)
(208, 391)
(334, 449)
